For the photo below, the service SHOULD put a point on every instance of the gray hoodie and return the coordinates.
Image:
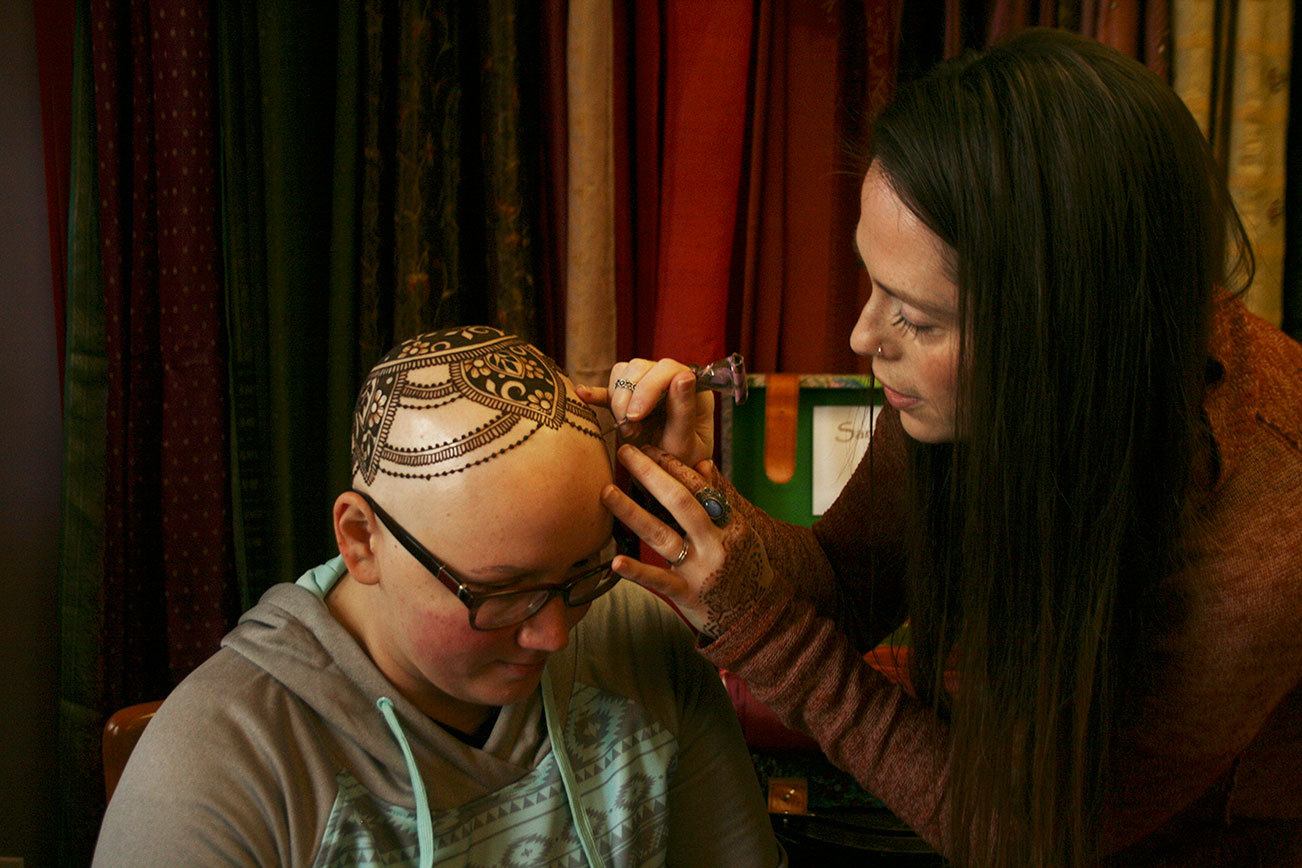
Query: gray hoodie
(289, 747)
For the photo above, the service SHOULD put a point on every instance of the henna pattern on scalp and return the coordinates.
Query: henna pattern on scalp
(517, 388)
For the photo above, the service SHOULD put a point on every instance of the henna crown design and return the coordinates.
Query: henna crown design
(518, 389)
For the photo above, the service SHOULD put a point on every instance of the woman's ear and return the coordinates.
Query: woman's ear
(354, 525)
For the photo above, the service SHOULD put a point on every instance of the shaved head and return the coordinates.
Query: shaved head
(477, 440)
(478, 446)
(445, 401)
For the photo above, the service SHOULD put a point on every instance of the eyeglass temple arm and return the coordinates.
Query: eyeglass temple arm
(416, 550)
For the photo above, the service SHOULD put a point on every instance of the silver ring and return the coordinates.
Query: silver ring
(879, 349)
(621, 383)
(715, 504)
(682, 556)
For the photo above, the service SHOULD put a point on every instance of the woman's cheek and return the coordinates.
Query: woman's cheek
(442, 633)
(942, 379)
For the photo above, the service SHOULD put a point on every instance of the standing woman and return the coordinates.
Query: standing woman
(1084, 498)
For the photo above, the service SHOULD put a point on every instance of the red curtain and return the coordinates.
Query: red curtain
(683, 75)
(740, 133)
(823, 73)
(167, 561)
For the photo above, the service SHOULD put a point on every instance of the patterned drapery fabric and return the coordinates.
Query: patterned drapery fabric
(263, 199)
(145, 598)
(1232, 70)
(590, 310)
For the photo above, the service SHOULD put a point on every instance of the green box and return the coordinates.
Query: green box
(742, 441)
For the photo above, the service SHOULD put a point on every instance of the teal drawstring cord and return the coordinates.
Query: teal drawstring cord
(424, 825)
(586, 839)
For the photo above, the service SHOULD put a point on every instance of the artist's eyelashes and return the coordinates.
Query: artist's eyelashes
(908, 326)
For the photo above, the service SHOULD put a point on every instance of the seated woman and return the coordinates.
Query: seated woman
(507, 701)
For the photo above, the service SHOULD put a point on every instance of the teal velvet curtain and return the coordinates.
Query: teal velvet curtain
(81, 567)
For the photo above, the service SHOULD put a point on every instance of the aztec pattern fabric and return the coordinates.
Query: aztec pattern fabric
(622, 761)
(518, 388)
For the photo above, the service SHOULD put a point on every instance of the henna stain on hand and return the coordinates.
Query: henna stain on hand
(729, 590)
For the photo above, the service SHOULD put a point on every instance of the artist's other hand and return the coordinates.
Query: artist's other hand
(724, 566)
(658, 405)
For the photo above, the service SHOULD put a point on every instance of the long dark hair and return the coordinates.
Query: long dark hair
(1089, 225)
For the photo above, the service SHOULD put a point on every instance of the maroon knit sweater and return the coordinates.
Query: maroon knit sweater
(1212, 773)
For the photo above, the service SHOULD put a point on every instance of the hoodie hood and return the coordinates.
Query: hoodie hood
(293, 637)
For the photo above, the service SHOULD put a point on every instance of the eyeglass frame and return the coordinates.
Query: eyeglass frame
(473, 600)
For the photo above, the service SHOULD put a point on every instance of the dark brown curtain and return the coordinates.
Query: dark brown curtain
(449, 178)
(1139, 28)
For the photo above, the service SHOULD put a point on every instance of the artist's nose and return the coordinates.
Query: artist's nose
(548, 629)
(869, 330)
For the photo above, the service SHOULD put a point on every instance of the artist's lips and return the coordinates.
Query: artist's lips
(898, 400)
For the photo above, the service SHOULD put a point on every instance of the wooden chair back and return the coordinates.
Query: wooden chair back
(121, 733)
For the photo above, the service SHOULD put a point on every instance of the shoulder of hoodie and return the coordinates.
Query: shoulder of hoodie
(229, 715)
(208, 775)
(632, 643)
(232, 720)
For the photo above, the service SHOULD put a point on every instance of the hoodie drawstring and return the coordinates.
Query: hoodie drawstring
(554, 731)
(424, 825)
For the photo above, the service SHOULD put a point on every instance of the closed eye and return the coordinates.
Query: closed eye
(908, 326)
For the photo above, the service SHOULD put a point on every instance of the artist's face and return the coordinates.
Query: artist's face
(911, 313)
(501, 529)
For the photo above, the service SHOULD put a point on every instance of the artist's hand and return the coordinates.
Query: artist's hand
(657, 405)
(724, 566)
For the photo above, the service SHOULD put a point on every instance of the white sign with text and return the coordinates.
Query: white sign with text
(840, 440)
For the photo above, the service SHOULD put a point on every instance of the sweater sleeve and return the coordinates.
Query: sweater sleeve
(850, 565)
(1215, 735)
(809, 672)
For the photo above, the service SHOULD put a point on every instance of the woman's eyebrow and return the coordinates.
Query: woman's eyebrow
(913, 300)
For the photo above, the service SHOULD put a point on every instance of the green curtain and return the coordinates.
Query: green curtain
(449, 174)
(380, 169)
(512, 143)
(81, 567)
(289, 347)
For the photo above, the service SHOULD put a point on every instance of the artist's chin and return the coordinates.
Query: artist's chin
(924, 429)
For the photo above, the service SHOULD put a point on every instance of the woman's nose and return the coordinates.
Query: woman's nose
(548, 629)
(867, 334)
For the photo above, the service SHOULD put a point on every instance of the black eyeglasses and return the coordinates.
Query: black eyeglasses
(493, 610)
